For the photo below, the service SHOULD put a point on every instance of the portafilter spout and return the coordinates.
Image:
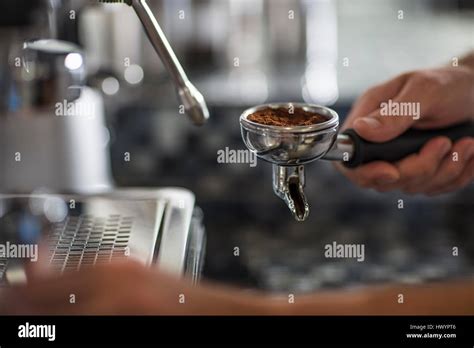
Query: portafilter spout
(288, 184)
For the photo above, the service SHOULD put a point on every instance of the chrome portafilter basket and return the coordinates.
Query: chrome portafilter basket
(289, 149)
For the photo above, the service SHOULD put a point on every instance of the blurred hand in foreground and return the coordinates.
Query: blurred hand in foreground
(131, 289)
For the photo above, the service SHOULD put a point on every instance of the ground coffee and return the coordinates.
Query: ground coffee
(284, 117)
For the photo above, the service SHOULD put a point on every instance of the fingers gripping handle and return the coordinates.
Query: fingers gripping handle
(406, 144)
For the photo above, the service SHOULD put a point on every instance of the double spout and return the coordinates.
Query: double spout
(288, 184)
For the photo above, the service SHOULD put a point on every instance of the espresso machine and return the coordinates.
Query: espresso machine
(56, 186)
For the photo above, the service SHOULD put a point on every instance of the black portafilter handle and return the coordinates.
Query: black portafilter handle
(406, 144)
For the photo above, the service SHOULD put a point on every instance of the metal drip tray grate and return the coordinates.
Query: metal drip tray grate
(86, 240)
(148, 226)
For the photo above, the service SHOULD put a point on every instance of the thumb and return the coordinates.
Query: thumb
(380, 128)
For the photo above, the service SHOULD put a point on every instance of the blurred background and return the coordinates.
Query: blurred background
(240, 53)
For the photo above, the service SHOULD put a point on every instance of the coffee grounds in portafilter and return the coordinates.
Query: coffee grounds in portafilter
(282, 117)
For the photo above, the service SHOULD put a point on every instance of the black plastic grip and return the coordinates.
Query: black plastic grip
(406, 144)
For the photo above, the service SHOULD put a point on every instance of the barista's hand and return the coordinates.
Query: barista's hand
(123, 288)
(446, 97)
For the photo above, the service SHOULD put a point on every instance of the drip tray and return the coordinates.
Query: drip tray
(86, 240)
(154, 226)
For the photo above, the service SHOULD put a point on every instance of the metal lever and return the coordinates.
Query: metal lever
(191, 98)
(288, 184)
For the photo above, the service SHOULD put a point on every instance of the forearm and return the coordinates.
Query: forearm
(436, 299)
(454, 298)
(467, 60)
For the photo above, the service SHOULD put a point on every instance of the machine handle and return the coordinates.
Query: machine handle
(409, 142)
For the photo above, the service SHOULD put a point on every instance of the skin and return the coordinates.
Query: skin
(446, 97)
(115, 292)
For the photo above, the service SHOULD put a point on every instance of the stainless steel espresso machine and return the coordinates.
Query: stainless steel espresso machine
(56, 187)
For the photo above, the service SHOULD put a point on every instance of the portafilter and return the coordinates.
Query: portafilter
(290, 148)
